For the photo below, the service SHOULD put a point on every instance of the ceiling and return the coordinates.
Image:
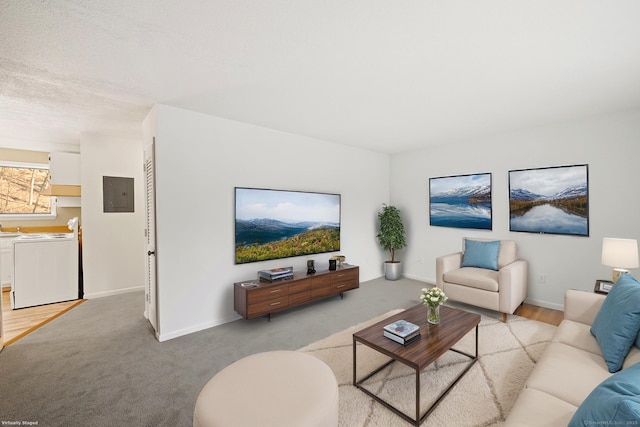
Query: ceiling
(388, 76)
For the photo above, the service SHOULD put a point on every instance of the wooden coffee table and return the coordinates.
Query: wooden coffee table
(434, 341)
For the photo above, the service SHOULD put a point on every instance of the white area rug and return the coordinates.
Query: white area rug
(483, 397)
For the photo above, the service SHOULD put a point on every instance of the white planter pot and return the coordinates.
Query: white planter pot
(392, 270)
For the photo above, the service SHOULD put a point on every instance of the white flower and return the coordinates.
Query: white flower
(432, 297)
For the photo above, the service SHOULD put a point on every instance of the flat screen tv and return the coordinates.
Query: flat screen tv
(272, 224)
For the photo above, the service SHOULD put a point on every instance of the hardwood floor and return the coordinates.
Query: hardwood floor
(540, 314)
(18, 323)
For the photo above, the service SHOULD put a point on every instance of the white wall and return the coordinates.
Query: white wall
(112, 243)
(609, 145)
(199, 161)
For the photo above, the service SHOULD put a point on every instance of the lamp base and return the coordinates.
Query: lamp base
(616, 273)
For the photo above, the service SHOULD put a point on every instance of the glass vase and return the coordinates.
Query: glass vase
(433, 314)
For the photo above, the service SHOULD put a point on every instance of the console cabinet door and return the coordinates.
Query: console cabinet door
(321, 286)
(299, 292)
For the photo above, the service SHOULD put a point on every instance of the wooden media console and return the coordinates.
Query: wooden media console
(254, 298)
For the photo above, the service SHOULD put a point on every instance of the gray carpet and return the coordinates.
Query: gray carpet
(100, 365)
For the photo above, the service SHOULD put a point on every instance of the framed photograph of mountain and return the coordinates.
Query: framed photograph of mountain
(462, 201)
(553, 200)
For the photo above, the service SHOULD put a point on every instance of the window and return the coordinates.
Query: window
(23, 191)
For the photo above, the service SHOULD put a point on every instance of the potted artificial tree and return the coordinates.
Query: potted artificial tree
(391, 238)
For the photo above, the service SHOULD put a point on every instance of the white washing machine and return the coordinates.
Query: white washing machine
(45, 268)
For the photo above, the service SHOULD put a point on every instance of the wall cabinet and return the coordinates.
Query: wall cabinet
(254, 298)
(64, 168)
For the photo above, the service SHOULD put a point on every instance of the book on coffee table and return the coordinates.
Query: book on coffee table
(402, 331)
(399, 340)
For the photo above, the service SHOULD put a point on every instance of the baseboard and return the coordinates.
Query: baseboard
(420, 279)
(544, 304)
(113, 292)
(197, 328)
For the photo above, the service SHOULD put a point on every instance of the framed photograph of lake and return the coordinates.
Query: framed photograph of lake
(462, 201)
(553, 200)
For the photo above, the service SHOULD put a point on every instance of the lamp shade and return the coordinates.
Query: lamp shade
(622, 253)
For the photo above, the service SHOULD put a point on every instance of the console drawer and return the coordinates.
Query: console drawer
(264, 307)
(345, 280)
(270, 293)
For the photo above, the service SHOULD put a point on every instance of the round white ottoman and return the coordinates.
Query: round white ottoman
(275, 388)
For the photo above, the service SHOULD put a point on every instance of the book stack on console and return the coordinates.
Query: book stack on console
(402, 332)
(276, 274)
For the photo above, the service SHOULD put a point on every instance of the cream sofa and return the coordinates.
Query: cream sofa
(570, 367)
(500, 290)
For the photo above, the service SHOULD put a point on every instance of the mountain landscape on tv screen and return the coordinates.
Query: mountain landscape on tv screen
(262, 239)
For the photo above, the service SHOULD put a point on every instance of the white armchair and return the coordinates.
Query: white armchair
(503, 289)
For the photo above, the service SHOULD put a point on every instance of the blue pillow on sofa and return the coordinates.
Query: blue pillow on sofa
(616, 401)
(481, 254)
(617, 324)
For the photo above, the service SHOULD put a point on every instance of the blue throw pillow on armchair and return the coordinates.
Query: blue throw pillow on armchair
(481, 254)
(617, 324)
